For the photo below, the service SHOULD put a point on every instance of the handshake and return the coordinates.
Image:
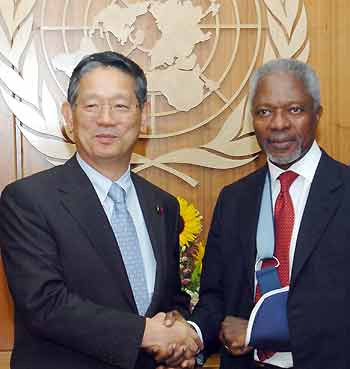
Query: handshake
(171, 340)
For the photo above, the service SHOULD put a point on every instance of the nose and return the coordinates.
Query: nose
(280, 120)
(105, 115)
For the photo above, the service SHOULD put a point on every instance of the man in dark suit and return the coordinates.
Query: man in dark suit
(90, 271)
(285, 105)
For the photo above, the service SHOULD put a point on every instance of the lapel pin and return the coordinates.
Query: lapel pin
(159, 210)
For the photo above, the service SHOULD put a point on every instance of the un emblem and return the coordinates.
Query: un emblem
(190, 51)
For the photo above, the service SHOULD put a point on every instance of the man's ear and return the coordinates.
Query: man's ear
(67, 113)
(144, 117)
(319, 112)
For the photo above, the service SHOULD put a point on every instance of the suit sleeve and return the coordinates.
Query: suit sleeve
(43, 300)
(179, 299)
(209, 312)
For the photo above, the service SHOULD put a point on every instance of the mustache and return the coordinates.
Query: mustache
(281, 137)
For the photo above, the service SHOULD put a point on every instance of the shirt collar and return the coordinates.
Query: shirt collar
(101, 183)
(305, 167)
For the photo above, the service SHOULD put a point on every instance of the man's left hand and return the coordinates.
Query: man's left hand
(232, 335)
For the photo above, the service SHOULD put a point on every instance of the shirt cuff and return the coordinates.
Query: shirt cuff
(197, 329)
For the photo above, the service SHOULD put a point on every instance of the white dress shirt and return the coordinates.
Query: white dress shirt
(102, 185)
(299, 191)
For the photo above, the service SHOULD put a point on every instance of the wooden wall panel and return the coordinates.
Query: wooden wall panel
(7, 147)
(6, 313)
(328, 32)
(4, 360)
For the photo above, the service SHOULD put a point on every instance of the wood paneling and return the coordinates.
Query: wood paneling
(4, 360)
(6, 313)
(212, 362)
(329, 31)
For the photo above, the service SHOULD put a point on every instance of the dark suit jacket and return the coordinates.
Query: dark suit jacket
(319, 300)
(74, 307)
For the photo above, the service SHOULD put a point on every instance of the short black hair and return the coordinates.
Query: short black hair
(108, 59)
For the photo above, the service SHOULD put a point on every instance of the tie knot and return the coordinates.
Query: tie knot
(117, 193)
(286, 179)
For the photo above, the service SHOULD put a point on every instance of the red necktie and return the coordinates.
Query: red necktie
(284, 222)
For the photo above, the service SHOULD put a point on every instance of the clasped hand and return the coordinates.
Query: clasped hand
(171, 340)
(232, 335)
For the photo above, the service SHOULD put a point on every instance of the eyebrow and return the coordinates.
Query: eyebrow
(96, 96)
(269, 104)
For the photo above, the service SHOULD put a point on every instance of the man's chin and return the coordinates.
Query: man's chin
(284, 159)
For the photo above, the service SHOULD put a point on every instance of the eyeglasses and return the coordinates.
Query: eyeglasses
(94, 109)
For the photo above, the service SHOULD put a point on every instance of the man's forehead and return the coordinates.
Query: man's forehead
(277, 78)
(281, 84)
(106, 82)
(91, 94)
(107, 72)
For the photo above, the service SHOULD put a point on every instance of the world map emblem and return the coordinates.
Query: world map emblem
(197, 55)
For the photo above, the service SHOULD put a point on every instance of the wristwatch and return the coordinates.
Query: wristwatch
(200, 359)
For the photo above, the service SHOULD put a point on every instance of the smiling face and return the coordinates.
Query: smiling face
(284, 118)
(106, 120)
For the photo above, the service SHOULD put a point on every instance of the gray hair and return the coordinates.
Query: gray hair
(108, 59)
(300, 70)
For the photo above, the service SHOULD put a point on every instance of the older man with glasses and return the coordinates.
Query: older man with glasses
(90, 260)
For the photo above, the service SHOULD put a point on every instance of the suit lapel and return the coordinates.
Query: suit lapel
(81, 201)
(152, 209)
(325, 195)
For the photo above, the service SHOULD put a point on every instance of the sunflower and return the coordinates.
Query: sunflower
(198, 256)
(190, 222)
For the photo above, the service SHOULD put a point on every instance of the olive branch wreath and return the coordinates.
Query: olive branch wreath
(38, 118)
